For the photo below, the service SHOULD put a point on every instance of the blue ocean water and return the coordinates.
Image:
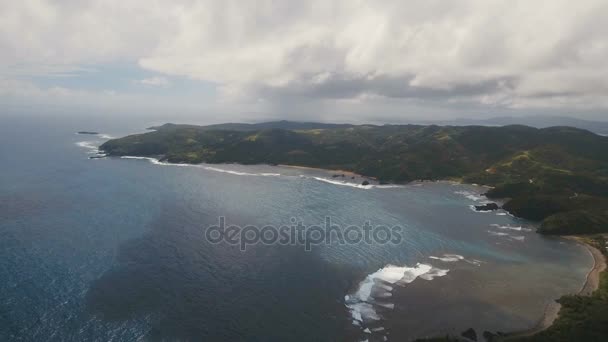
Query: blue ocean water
(100, 249)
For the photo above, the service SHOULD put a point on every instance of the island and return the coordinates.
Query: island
(87, 132)
(557, 176)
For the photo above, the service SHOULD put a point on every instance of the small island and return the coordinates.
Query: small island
(87, 132)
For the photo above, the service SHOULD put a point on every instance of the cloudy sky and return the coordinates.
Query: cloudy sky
(374, 61)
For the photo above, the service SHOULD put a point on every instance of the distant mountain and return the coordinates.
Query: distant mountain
(283, 124)
(557, 175)
(538, 121)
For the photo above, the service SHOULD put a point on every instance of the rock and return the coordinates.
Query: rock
(470, 334)
(365, 183)
(487, 206)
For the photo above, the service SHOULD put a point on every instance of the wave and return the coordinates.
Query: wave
(356, 185)
(210, 168)
(507, 235)
(456, 258)
(89, 145)
(448, 257)
(497, 233)
(264, 174)
(508, 227)
(373, 291)
(335, 182)
(471, 195)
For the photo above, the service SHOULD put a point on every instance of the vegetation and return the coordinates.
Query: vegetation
(556, 175)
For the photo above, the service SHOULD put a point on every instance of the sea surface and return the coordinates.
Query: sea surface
(115, 249)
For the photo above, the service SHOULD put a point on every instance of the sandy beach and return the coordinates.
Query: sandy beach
(591, 284)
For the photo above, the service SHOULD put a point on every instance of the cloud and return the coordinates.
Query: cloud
(513, 54)
(155, 82)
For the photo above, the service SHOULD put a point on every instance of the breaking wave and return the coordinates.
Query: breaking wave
(448, 257)
(335, 182)
(508, 227)
(456, 258)
(471, 195)
(507, 235)
(371, 297)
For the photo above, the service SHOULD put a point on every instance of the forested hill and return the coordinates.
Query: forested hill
(558, 175)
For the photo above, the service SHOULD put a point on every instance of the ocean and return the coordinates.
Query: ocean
(116, 249)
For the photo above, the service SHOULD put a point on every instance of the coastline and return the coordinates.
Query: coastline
(552, 309)
(591, 284)
(345, 172)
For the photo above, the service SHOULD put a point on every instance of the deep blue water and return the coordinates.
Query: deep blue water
(114, 249)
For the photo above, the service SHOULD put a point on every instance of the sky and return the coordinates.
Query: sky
(341, 61)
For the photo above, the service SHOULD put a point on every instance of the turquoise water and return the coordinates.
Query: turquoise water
(114, 248)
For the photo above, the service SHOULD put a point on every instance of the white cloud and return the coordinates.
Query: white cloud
(487, 53)
(155, 82)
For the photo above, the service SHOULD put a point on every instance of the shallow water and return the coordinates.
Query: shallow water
(115, 248)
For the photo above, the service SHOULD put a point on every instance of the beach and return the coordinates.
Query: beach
(591, 284)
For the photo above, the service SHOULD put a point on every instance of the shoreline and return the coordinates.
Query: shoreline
(345, 172)
(552, 309)
(592, 282)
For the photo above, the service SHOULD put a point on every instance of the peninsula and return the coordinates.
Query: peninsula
(557, 176)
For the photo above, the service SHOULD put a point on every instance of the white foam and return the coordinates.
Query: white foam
(471, 195)
(512, 237)
(497, 233)
(90, 145)
(210, 168)
(388, 186)
(520, 228)
(342, 183)
(474, 262)
(362, 304)
(434, 272)
(390, 306)
(237, 173)
(501, 214)
(357, 185)
(456, 258)
(448, 257)
(106, 136)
